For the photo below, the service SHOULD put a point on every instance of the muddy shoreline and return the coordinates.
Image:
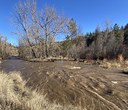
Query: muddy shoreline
(68, 82)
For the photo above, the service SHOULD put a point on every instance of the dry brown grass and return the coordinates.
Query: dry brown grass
(15, 96)
(49, 59)
(110, 64)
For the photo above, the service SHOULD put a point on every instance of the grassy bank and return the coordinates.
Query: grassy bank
(14, 95)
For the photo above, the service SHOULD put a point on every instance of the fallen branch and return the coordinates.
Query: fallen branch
(95, 94)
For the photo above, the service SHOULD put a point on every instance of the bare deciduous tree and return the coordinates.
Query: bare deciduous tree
(51, 25)
(39, 28)
(6, 49)
(24, 23)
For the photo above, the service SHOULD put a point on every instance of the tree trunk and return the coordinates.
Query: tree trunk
(46, 48)
(32, 50)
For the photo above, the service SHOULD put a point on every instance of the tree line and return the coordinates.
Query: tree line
(38, 30)
(6, 49)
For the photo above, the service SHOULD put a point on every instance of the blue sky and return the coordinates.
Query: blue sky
(87, 13)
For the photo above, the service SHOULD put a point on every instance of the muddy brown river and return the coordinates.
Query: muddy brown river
(68, 82)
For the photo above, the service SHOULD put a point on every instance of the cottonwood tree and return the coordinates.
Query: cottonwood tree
(25, 26)
(39, 28)
(51, 25)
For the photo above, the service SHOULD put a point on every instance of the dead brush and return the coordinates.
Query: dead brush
(110, 64)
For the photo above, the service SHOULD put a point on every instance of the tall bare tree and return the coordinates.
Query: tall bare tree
(39, 28)
(51, 25)
(24, 23)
